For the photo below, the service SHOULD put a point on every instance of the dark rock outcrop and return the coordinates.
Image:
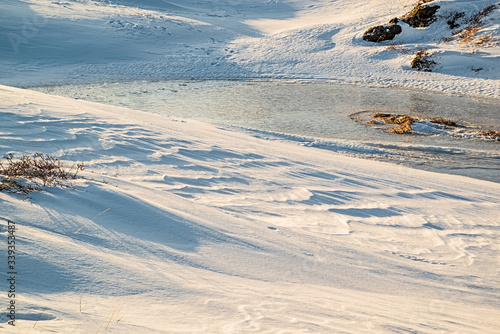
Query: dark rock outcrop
(382, 33)
(421, 16)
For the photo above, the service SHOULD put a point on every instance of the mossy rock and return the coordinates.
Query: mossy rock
(382, 33)
(421, 16)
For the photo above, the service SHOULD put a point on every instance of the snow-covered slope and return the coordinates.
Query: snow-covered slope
(73, 41)
(182, 226)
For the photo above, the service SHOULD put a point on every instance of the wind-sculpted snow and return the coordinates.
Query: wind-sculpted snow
(181, 225)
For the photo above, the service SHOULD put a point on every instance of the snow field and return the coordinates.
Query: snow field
(73, 41)
(186, 226)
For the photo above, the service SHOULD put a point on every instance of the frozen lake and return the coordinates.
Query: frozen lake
(323, 111)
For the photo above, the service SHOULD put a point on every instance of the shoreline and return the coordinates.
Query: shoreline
(337, 81)
(157, 99)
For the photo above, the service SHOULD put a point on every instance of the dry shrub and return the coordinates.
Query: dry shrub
(393, 46)
(443, 121)
(469, 35)
(454, 20)
(477, 19)
(422, 62)
(405, 123)
(33, 173)
(447, 39)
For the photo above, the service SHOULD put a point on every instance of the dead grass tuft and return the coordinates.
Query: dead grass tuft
(421, 61)
(447, 39)
(398, 47)
(487, 40)
(33, 173)
(404, 122)
(402, 129)
(469, 35)
(381, 115)
(400, 119)
(393, 46)
(490, 134)
(443, 121)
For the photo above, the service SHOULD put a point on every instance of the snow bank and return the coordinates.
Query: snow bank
(185, 226)
(76, 41)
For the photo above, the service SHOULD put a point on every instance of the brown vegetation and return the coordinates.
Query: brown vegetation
(469, 35)
(33, 173)
(421, 61)
(443, 121)
(399, 47)
(404, 122)
(490, 134)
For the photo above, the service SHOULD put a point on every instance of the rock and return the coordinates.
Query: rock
(382, 33)
(421, 16)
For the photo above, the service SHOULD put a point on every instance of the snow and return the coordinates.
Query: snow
(83, 41)
(184, 226)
